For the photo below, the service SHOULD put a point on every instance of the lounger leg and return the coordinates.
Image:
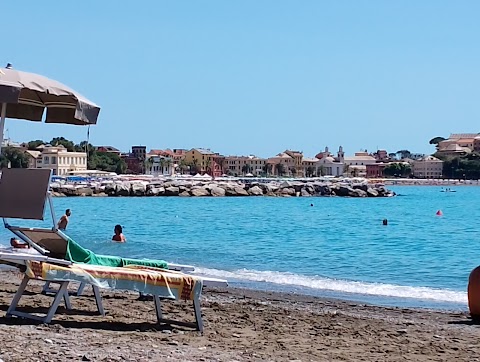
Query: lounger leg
(98, 298)
(46, 288)
(198, 314)
(66, 298)
(18, 295)
(80, 289)
(56, 301)
(158, 308)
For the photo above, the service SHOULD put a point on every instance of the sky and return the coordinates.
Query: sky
(255, 77)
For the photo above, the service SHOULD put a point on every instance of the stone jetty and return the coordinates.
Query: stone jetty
(187, 188)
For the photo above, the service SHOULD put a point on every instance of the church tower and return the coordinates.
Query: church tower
(341, 154)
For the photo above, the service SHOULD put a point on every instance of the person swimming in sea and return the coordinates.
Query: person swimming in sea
(118, 236)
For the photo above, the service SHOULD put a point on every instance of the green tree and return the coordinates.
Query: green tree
(13, 156)
(69, 145)
(397, 169)
(280, 169)
(168, 163)
(32, 145)
(208, 166)
(106, 161)
(436, 140)
(310, 171)
(149, 164)
(404, 154)
(194, 167)
(321, 170)
(183, 166)
(246, 169)
(462, 167)
(267, 169)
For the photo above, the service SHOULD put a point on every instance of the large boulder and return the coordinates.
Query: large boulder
(99, 194)
(358, 193)
(184, 194)
(241, 191)
(84, 191)
(217, 191)
(371, 192)
(110, 189)
(287, 191)
(342, 190)
(155, 190)
(255, 191)
(199, 191)
(122, 189)
(363, 187)
(183, 188)
(138, 189)
(172, 191)
(305, 193)
(236, 191)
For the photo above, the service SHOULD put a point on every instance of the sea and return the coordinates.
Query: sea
(319, 246)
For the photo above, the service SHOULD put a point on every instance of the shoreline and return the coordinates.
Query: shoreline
(240, 324)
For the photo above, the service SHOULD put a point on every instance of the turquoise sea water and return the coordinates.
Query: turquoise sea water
(337, 248)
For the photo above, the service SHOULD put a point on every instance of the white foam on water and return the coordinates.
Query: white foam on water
(338, 285)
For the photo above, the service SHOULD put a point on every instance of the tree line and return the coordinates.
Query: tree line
(96, 160)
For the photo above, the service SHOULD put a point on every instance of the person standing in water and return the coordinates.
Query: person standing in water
(63, 222)
(118, 236)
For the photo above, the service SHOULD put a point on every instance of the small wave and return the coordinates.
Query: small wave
(338, 285)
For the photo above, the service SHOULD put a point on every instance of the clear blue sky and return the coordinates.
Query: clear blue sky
(255, 76)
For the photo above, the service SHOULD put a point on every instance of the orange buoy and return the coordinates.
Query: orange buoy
(439, 213)
(474, 293)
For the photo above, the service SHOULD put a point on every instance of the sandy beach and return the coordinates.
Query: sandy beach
(240, 325)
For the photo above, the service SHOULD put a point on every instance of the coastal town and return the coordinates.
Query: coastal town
(66, 159)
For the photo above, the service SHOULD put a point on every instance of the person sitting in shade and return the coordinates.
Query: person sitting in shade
(118, 236)
(17, 244)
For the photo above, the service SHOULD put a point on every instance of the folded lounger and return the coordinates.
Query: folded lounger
(23, 195)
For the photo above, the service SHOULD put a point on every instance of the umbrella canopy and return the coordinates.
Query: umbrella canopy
(25, 96)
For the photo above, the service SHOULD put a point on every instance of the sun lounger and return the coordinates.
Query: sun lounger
(60, 260)
(161, 283)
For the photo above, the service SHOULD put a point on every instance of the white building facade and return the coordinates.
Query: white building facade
(157, 165)
(328, 165)
(58, 159)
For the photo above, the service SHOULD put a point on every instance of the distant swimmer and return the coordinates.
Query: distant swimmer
(311, 204)
(118, 236)
(385, 222)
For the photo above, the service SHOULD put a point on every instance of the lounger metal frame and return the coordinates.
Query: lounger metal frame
(62, 291)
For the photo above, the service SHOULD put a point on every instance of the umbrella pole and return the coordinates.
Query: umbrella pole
(2, 123)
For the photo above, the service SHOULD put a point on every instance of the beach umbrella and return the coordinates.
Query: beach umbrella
(25, 96)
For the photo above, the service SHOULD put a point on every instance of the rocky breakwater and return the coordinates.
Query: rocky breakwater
(226, 188)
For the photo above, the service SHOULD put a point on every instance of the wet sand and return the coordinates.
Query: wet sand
(240, 325)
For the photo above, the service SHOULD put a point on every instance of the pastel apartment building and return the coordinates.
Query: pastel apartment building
(280, 164)
(427, 167)
(203, 160)
(244, 165)
(459, 144)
